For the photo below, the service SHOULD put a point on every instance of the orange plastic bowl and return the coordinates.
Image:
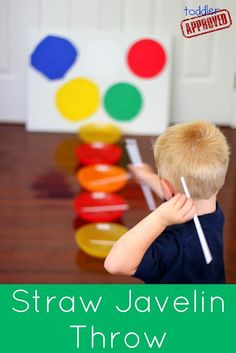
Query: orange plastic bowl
(102, 177)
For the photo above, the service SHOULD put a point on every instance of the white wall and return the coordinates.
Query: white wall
(203, 67)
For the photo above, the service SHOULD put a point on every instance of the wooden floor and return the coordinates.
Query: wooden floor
(37, 221)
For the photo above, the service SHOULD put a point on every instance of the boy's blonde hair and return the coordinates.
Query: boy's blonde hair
(199, 152)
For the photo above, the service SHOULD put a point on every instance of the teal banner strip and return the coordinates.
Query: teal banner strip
(117, 318)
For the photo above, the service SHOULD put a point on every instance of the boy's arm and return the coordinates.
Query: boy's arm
(128, 251)
(145, 174)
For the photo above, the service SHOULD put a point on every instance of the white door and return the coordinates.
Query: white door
(233, 95)
(15, 18)
(233, 107)
(204, 72)
(203, 67)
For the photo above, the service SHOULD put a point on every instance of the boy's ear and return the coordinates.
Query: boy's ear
(167, 189)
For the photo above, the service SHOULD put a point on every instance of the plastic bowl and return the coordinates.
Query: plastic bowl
(97, 239)
(102, 177)
(98, 153)
(100, 206)
(100, 132)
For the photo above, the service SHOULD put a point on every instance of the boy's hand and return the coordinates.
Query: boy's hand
(179, 209)
(141, 171)
(145, 174)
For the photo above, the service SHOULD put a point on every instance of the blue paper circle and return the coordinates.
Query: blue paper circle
(53, 57)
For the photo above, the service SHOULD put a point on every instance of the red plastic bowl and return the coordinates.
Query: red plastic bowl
(97, 153)
(100, 206)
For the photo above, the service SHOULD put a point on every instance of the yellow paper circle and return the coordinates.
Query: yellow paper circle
(97, 239)
(78, 99)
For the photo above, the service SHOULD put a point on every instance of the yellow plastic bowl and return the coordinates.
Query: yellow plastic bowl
(100, 132)
(97, 239)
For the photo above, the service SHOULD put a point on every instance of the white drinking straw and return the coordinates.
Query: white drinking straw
(135, 157)
(105, 208)
(110, 180)
(202, 238)
(102, 242)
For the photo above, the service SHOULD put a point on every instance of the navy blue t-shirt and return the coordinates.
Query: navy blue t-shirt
(176, 255)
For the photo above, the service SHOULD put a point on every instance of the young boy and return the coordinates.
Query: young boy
(164, 247)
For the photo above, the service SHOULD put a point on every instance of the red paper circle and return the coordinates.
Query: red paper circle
(146, 58)
(98, 153)
(94, 200)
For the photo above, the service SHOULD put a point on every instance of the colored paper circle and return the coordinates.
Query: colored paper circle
(102, 177)
(100, 206)
(98, 153)
(97, 239)
(101, 58)
(100, 132)
(77, 99)
(53, 57)
(146, 58)
(123, 101)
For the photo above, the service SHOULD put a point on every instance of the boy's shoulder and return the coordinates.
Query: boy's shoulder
(176, 255)
(209, 222)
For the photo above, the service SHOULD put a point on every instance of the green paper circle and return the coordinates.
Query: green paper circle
(123, 101)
